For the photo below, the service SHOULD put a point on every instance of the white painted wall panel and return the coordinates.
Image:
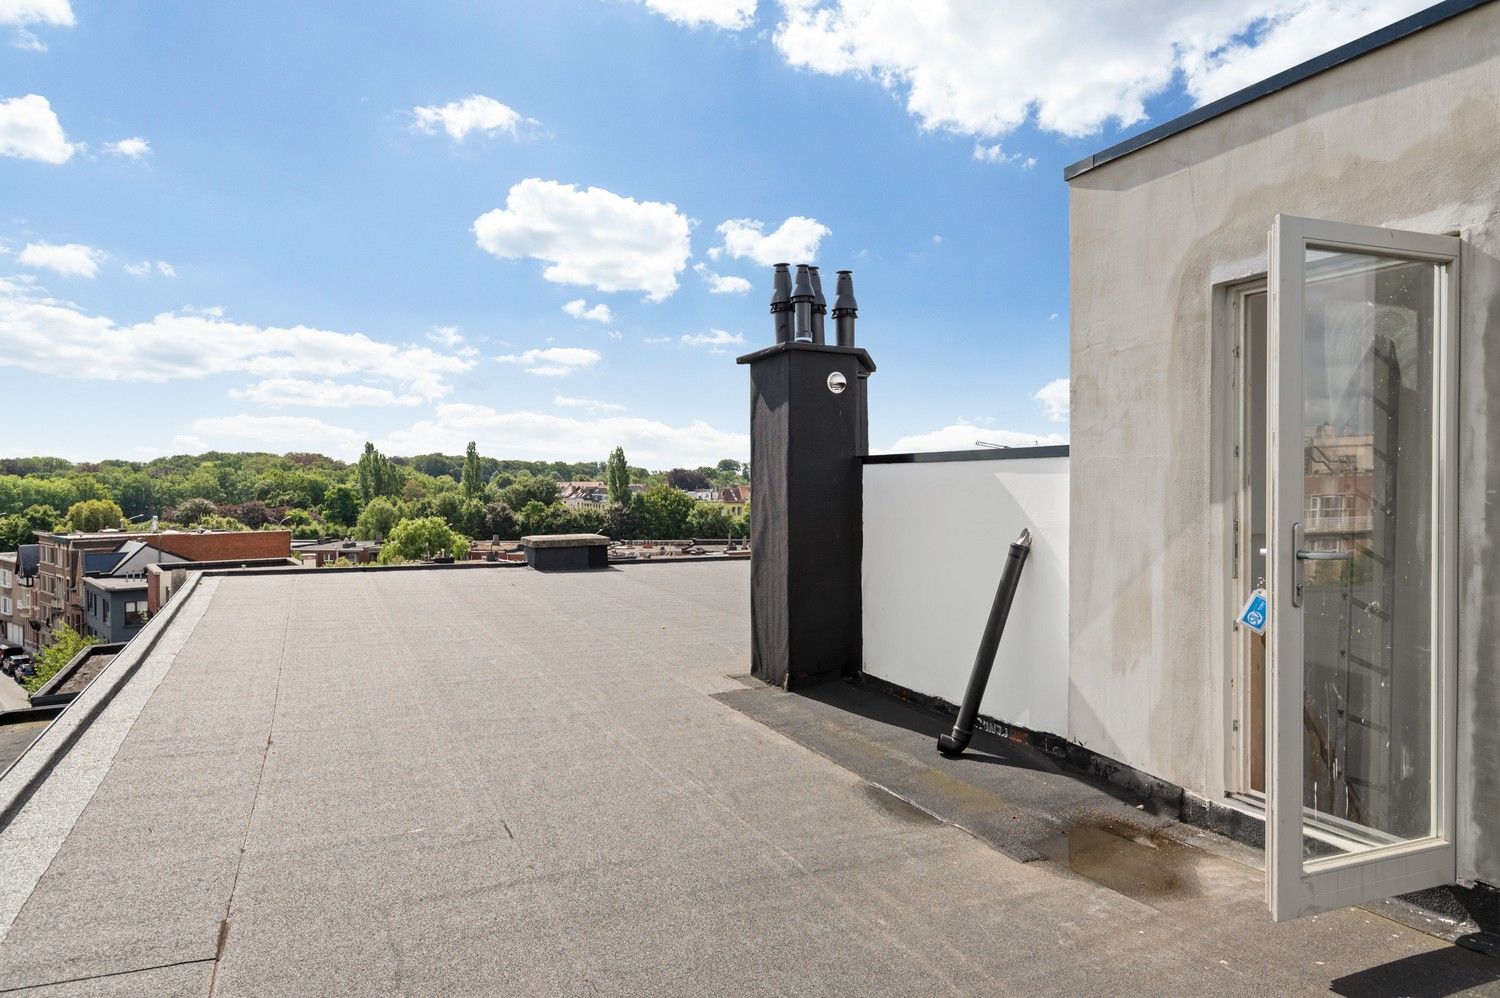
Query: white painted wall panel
(936, 538)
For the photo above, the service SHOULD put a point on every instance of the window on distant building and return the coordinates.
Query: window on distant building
(106, 611)
(136, 614)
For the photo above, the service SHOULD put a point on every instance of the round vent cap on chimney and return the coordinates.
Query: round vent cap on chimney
(837, 382)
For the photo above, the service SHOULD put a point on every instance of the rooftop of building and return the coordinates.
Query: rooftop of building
(1407, 26)
(141, 535)
(114, 584)
(532, 783)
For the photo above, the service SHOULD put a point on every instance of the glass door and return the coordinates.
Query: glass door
(1360, 476)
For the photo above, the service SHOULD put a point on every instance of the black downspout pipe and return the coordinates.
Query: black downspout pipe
(988, 645)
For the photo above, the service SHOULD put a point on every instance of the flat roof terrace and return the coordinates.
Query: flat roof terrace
(499, 781)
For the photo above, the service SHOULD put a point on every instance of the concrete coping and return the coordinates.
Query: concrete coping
(565, 541)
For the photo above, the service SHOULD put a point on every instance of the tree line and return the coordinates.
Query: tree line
(469, 496)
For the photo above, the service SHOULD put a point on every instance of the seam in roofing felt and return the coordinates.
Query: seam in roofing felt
(255, 798)
(43, 794)
(111, 974)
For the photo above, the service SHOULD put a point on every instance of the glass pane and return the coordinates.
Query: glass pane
(1368, 464)
(1254, 520)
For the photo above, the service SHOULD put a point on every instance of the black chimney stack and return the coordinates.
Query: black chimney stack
(845, 309)
(781, 303)
(808, 433)
(819, 304)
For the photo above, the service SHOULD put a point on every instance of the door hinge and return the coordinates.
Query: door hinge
(1234, 562)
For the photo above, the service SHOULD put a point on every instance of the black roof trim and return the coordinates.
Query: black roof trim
(987, 454)
(1419, 21)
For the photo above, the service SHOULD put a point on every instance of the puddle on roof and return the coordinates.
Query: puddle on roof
(1148, 868)
(894, 806)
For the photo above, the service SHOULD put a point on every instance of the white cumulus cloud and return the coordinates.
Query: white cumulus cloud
(447, 336)
(984, 67)
(713, 338)
(722, 284)
(1055, 399)
(590, 237)
(280, 393)
(68, 259)
(476, 113)
(271, 433)
(966, 436)
(794, 241)
(146, 268)
(591, 406)
(553, 362)
(58, 13)
(580, 309)
(566, 438)
(729, 14)
(38, 333)
(132, 148)
(29, 129)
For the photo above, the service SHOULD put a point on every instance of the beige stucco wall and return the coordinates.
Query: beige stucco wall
(1407, 136)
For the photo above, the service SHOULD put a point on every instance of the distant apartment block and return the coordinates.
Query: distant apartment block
(66, 561)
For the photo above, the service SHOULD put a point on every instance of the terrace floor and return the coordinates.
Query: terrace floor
(498, 781)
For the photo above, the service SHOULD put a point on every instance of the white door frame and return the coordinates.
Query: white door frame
(1293, 889)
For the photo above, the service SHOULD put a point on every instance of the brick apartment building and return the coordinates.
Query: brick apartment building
(65, 560)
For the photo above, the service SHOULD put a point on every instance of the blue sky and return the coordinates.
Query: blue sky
(236, 227)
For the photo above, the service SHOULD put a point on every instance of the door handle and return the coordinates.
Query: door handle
(1322, 555)
(1301, 554)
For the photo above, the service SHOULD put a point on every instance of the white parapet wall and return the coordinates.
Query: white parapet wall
(936, 535)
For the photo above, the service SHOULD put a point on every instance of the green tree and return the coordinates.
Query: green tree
(301, 523)
(662, 512)
(202, 483)
(376, 475)
(252, 514)
(728, 466)
(589, 520)
(20, 528)
(63, 645)
(500, 521)
(417, 540)
(619, 521)
(341, 504)
(535, 518)
(710, 519)
(217, 522)
(688, 479)
(193, 510)
(529, 488)
(95, 514)
(464, 514)
(617, 477)
(378, 519)
(136, 494)
(473, 477)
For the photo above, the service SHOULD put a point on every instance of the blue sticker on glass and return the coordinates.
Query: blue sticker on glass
(1254, 614)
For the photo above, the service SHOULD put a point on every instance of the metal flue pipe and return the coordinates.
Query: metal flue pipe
(819, 305)
(845, 309)
(984, 661)
(781, 303)
(802, 304)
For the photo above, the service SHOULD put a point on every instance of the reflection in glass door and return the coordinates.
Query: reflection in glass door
(1367, 549)
(1360, 497)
